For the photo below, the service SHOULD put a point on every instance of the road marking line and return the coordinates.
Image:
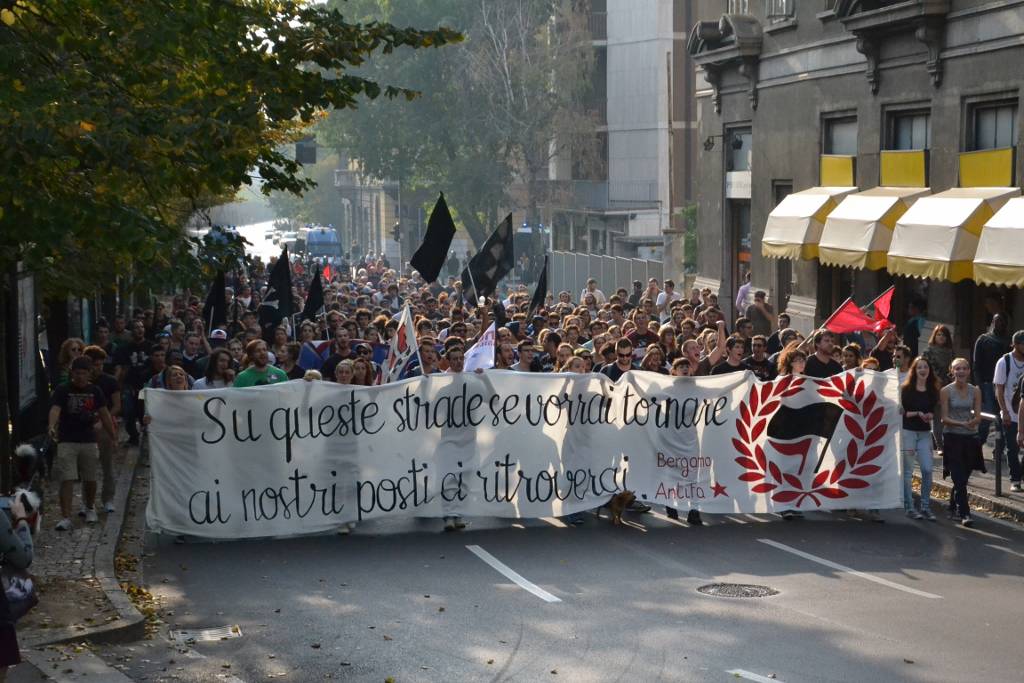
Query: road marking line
(517, 525)
(756, 519)
(635, 525)
(849, 570)
(554, 522)
(511, 574)
(750, 676)
(983, 533)
(1005, 550)
(736, 519)
(666, 518)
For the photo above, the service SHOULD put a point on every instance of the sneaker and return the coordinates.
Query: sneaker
(83, 511)
(1015, 487)
(91, 517)
(911, 513)
(108, 507)
(875, 516)
(927, 515)
(693, 517)
(796, 514)
(637, 506)
(967, 521)
(914, 514)
(63, 525)
(459, 524)
(577, 520)
(672, 513)
(449, 524)
(788, 515)
(344, 530)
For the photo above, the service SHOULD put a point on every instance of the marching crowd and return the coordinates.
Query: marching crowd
(648, 327)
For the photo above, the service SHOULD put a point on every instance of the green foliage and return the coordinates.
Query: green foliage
(119, 119)
(493, 109)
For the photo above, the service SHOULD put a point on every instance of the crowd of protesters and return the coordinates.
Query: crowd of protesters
(648, 327)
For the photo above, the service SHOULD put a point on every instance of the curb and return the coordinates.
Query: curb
(988, 503)
(130, 623)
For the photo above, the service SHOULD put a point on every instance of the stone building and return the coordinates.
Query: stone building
(832, 98)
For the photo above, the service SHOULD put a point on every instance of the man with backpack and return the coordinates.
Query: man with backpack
(1009, 375)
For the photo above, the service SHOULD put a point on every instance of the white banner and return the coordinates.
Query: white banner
(305, 457)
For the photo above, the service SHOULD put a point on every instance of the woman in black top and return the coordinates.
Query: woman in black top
(919, 399)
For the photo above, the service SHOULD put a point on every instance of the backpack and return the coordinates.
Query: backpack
(1018, 389)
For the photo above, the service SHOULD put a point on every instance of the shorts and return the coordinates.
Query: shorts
(77, 461)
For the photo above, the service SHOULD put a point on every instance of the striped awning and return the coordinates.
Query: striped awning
(1000, 256)
(938, 236)
(858, 232)
(794, 227)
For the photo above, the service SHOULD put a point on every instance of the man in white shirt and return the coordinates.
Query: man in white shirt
(1008, 374)
(591, 288)
(665, 299)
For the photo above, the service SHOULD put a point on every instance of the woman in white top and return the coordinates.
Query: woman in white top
(218, 371)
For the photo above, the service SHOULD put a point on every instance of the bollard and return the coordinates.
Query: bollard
(998, 460)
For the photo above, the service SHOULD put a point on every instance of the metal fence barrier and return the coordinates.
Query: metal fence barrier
(569, 271)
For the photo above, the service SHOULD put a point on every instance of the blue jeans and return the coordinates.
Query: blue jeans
(991, 406)
(1009, 440)
(917, 445)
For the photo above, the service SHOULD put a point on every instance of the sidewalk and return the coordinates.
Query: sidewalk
(79, 596)
(981, 490)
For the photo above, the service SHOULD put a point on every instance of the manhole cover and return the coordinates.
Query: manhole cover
(737, 590)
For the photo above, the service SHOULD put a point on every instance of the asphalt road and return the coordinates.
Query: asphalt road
(401, 599)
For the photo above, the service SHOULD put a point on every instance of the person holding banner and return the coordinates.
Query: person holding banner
(919, 399)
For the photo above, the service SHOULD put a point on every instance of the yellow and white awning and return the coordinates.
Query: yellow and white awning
(938, 236)
(858, 232)
(1000, 256)
(793, 229)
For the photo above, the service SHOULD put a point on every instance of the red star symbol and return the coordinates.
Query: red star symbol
(719, 490)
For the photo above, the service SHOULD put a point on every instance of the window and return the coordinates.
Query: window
(841, 135)
(994, 126)
(740, 214)
(737, 7)
(739, 143)
(779, 10)
(910, 130)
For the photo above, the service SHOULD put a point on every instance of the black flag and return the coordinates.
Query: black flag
(215, 310)
(541, 292)
(314, 299)
(815, 419)
(277, 304)
(493, 262)
(429, 259)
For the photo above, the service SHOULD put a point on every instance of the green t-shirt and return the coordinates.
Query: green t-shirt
(251, 377)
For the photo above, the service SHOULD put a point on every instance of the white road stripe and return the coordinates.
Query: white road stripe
(740, 673)
(736, 519)
(511, 574)
(635, 525)
(983, 533)
(666, 518)
(517, 525)
(1005, 550)
(756, 519)
(553, 521)
(849, 570)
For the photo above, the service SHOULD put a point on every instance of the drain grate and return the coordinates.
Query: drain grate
(206, 635)
(737, 590)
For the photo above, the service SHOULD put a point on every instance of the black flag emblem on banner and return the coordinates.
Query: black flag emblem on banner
(430, 258)
(314, 299)
(799, 424)
(493, 262)
(277, 304)
(215, 310)
(541, 292)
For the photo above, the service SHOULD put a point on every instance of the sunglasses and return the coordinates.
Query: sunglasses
(624, 355)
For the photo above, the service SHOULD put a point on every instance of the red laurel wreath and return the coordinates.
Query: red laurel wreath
(863, 419)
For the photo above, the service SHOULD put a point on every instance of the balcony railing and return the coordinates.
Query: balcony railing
(600, 195)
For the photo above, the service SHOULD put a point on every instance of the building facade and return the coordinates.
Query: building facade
(644, 97)
(798, 94)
